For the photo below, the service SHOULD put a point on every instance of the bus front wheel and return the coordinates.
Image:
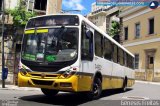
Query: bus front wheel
(49, 92)
(96, 89)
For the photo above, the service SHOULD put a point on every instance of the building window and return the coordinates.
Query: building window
(98, 44)
(96, 17)
(31, 5)
(40, 4)
(126, 33)
(151, 26)
(137, 30)
(151, 60)
(136, 61)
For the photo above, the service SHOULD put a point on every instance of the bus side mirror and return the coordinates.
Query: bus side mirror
(88, 34)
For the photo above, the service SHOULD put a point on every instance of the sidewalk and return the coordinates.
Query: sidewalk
(147, 82)
(14, 87)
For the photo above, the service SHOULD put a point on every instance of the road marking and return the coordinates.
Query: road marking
(135, 98)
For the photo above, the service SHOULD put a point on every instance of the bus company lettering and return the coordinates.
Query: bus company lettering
(98, 67)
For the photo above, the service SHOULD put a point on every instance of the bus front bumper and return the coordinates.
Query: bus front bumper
(68, 84)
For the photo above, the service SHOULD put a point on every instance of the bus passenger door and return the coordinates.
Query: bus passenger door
(86, 57)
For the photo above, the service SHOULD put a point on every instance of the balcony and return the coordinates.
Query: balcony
(103, 10)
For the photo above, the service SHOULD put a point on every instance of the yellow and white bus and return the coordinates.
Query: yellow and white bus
(69, 53)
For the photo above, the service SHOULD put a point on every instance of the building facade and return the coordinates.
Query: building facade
(9, 52)
(98, 16)
(141, 36)
(102, 16)
(42, 7)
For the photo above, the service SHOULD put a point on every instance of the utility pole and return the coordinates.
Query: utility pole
(3, 59)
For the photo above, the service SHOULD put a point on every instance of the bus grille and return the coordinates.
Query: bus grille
(40, 82)
(44, 69)
(39, 75)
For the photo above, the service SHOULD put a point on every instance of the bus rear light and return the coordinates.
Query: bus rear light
(63, 84)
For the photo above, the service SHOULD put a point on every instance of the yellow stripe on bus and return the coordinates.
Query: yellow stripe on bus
(29, 31)
(42, 30)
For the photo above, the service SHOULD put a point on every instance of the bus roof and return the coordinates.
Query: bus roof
(93, 26)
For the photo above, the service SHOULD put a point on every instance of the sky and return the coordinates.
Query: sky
(83, 5)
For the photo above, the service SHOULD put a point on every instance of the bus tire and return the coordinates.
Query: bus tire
(49, 92)
(96, 90)
(124, 87)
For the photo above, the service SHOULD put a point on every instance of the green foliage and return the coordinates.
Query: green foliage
(20, 15)
(115, 29)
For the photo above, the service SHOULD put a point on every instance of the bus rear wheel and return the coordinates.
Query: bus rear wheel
(96, 89)
(124, 87)
(49, 92)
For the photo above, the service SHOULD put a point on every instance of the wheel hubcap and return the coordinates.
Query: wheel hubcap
(96, 89)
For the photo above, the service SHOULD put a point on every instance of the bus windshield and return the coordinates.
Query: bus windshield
(55, 45)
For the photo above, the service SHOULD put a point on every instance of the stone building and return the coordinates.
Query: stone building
(141, 36)
(102, 16)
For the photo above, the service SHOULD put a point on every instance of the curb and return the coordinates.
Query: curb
(13, 87)
(148, 82)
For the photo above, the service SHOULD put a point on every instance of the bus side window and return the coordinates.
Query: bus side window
(130, 61)
(125, 59)
(107, 49)
(86, 44)
(98, 44)
(115, 53)
(120, 56)
(127, 56)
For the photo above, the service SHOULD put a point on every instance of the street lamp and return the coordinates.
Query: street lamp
(3, 60)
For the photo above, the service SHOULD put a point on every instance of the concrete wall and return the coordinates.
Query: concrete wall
(11, 4)
(145, 41)
(54, 6)
(99, 20)
(143, 20)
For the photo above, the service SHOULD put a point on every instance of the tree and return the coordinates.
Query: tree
(20, 15)
(115, 29)
(20, 18)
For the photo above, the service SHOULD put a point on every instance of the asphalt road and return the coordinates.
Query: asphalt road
(140, 91)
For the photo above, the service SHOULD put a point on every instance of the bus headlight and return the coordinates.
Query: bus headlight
(68, 73)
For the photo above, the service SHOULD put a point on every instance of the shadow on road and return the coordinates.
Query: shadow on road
(66, 98)
(114, 91)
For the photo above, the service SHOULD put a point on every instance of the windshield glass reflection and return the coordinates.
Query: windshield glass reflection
(58, 45)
